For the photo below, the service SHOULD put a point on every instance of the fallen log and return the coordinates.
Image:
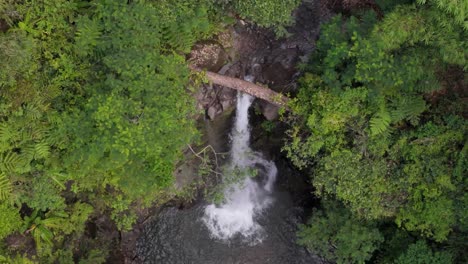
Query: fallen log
(247, 87)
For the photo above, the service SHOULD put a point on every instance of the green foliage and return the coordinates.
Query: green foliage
(421, 253)
(18, 259)
(10, 220)
(74, 222)
(458, 8)
(274, 14)
(364, 88)
(366, 118)
(268, 126)
(95, 110)
(51, 228)
(5, 187)
(336, 235)
(7, 11)
(136, 118)
(39, 227)
(380, 123)
(16, 52)
(266, 13)
(41, 193)
(430, 176)
(365, 188)
(95, 256)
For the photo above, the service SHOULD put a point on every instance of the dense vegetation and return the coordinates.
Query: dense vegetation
(96, 110)
(381, 119)
(95, 113)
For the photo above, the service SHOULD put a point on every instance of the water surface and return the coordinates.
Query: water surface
(256, 224)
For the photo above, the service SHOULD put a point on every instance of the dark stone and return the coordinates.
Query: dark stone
(269, 111)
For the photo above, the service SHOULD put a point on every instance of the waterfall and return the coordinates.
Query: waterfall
(247, 199)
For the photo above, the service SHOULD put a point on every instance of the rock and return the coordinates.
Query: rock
(208, 55)
(225, 39)
(280, 67)
(227, 94)
(225, 68)
(185, 175)
(270, 111)
(204, 97)
(213, 111)
(226, 104)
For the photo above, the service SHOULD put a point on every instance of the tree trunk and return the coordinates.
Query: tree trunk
(248, 87)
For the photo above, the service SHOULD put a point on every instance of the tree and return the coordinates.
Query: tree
(90, 113)
(336, 235)
(458, 9)
(365, 118)
(421, 253)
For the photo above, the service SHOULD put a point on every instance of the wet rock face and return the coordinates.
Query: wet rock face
(215, 100)
(280, 67)
(255, 51)
(269, 111)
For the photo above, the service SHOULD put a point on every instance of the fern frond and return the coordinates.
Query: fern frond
(33, 111)
(380, 123)
(42, 234)
(4, 146)
(51, 91)
(408, 108)
(10, 162)
(88, 35)
(57, 138)
(6, 133)
(42, 150)
(5, 187)
(397, 114)
(56, 177)
(428, 84)
(53, 221)
(414, 106)
(28, 152)
(37, 132)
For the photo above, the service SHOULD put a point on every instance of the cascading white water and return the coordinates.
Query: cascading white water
(246, 200)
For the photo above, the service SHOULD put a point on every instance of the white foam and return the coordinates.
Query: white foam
(246, 200)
